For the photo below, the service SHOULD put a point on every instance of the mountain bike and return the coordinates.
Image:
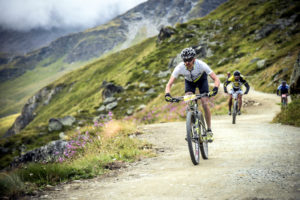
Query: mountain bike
(284, 100)
(235, 106)
(195, 127)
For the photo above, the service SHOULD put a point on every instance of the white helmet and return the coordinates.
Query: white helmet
(188, 53)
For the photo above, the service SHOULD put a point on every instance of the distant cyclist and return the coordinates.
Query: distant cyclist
(283, 88)
(237, 81)
(195, 73)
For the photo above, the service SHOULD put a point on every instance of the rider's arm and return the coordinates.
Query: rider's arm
(215, 78)
(169, 85)
(247, 87)
(225, 85)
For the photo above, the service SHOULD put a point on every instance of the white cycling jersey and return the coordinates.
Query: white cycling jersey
(199, 68)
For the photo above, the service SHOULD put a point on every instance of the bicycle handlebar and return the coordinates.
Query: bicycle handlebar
(190, 97)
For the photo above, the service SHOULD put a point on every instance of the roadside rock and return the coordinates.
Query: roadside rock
(47, 153)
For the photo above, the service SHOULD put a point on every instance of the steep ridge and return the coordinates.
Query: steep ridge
(73, 50)
(260, 38)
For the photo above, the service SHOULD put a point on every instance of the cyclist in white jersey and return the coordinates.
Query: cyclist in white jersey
(195, 73)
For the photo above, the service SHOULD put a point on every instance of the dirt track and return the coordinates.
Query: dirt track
(252, 159)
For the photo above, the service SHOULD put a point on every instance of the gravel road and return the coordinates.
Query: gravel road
(252, 159)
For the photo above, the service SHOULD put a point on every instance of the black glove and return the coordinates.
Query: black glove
(246, 93)
(225, 91)
(168, 97)
(214, 91)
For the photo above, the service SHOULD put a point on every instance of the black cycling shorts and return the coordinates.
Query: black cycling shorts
(202, 84)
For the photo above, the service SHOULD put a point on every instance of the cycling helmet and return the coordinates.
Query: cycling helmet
(236, 73)
(188, 53)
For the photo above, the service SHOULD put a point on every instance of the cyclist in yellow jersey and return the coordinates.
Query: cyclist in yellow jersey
(237, 81)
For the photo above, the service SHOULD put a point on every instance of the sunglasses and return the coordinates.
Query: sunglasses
(188, 60)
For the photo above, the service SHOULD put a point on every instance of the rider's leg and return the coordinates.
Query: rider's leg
(240, 101)
(206, 109)
(230, 102)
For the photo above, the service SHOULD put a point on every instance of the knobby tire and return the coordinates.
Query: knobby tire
(193, 144)
(234, 113)
(204, 143)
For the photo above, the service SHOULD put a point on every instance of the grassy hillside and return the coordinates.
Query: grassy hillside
(230, 33)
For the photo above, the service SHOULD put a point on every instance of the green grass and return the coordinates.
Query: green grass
(15, 93)
(289, 115)
(82, 87)
(6, 123)
(108, 144)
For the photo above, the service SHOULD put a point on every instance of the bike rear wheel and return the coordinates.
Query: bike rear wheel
(284, 104)
(203, 141)
(192, 138)
(234, 113)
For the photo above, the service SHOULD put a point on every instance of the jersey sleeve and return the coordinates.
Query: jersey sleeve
(176, 71)
(243, 80)
(206, 68)
(279, 87)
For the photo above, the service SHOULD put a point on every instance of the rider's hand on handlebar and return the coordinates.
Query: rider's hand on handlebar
(168, 97)
(246, 93)
(214, 91)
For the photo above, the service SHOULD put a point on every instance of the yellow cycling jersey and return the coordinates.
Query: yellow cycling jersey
(235, 84)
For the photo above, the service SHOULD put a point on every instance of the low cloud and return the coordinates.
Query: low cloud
(24, 15)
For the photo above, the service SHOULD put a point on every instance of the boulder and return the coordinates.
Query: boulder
(111, 106)
(141, 107)
(110, 89)
(150, 91)
(67, 121)
(254, 60)
(143, 85)
(284, 22)
(265, 31)
(47, 153)
(109, 100)
(261, 64)
(165, 32)
(163, 74)
(101, 109)
(29, 110)
(54, 125)
(129, 112)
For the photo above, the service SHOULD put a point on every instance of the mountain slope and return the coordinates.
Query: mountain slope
(237, 35)
(71, 51)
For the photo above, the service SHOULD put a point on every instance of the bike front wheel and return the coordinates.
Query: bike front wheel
(192, 138)
(203, 140)
(234, 113)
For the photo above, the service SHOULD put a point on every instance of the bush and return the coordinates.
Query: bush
(289, 115)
